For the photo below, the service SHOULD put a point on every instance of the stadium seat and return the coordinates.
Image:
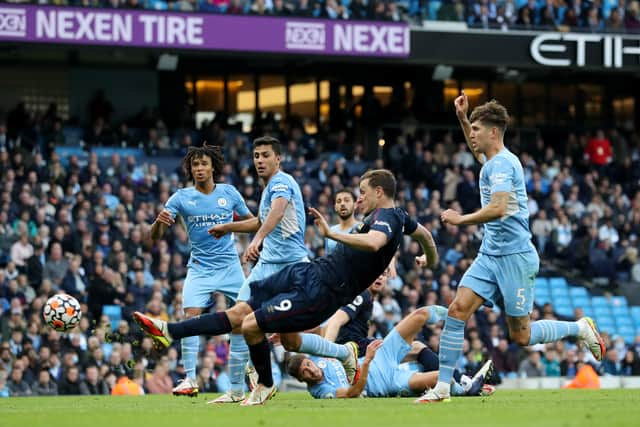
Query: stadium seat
(560, 293)
(114, 312)
(558, 282)
(582, 302)
(627, 332)
(601, 311)
(619, 301)
(606, 324)
(578, 291)
(618, 312)
(624, 321)
(542, 297)
(541, 282)
(599, 302)
(564, 310)
(635, 312)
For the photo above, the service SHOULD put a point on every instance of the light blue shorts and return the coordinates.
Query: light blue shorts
(386, 378)
(507, 279)
(261, 271)
(199, 285)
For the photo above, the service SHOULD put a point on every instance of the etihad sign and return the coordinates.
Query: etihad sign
(565, 50)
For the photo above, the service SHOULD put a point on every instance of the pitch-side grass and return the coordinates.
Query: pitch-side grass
(604, 408)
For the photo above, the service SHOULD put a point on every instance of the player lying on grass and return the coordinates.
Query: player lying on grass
(381, 374)
(303, 295)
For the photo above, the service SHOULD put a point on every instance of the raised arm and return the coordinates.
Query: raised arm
(278, 206)
(369, 242)
(462, 107)
(356, 389)
(163, 221)
(428, 245)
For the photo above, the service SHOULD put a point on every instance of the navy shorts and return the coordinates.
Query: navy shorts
(292, 300)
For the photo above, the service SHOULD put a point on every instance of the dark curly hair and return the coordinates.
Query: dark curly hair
(214, 152)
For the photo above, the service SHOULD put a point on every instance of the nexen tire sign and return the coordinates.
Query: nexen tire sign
(565, 50)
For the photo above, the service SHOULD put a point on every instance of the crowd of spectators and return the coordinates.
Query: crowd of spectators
(74, 226)
(582, 15)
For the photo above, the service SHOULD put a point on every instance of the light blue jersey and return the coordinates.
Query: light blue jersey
(214, 265)
(509, 234)
(201, 212)
(388, 377)
(285, 243)
(330, 244)
(504, 271)
(334, 377)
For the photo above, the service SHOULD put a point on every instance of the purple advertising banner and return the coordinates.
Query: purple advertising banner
(61, 25)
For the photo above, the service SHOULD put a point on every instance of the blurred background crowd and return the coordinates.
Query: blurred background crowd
(74, 220)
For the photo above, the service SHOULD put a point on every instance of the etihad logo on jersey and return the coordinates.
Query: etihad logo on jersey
(209, 220)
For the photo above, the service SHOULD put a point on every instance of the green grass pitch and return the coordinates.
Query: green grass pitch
(606, 408)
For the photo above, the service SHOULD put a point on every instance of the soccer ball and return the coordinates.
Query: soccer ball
(62, 312)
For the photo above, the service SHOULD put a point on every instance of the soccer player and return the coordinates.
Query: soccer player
(504, 271)
(278, 242)
(302, 295)
(344, 202)
(214, 265)
(380, 374)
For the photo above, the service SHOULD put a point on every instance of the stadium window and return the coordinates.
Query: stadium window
(409, 94)
(506, 93)
(303, 97)
(383, 94)
(476, 90)
(451, 92)
(533, 104)
(624, 110)
(272, 96)
(209, 93)
(593, 96)
(561, 104)
(242, 99)
(324, 89)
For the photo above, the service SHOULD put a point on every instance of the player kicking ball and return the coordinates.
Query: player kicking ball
(303, 295)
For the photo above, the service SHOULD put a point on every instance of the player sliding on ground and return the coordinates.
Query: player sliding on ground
(380, 372)
(301, 296)
(504, 271)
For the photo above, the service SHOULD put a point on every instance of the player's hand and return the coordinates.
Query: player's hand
(275, 339)
(253, 250)
(421, 261)
(321, 223)
(451, 217)
(218, 230)
(462, 104)
(372, 348)
(165, 218)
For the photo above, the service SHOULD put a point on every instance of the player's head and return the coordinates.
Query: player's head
(203, 163)
(376, 186)
(303, 369)
(344, 202)
(378, 285)
(266, 156)
(488, 124)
